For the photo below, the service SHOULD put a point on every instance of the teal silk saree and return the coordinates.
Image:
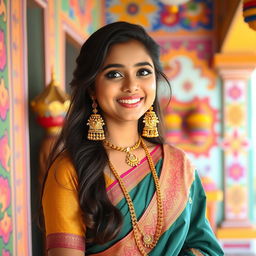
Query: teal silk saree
(186, 230)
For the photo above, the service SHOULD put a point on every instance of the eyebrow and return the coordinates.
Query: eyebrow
(122, 66)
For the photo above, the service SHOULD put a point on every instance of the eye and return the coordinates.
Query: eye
(113, 74)
(144, 72)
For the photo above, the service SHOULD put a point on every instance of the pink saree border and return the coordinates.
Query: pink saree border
(133, 168)
(65, 240)
(133, 176)
(176, 179)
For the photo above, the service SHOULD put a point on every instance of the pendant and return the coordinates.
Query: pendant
(147, 239)
(131, 159)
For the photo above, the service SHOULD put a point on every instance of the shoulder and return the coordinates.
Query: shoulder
(175, 156)
(63, 171)
(174, 151)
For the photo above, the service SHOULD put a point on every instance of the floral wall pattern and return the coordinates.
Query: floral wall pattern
(236, 145)
(82, 13)
(195, 15)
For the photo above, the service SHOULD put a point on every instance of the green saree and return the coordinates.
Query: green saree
(186, 230)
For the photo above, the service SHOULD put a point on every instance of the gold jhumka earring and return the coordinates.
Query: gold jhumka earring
(95, 123)
(151, 120)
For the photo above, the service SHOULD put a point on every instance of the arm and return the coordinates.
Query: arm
(64, 225)
(200, 240)
(65, 252)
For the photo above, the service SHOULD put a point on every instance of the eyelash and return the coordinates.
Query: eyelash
(116, 74)
(144, 70)
(112, 74)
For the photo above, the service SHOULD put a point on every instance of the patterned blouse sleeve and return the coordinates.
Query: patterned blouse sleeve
(62, 214)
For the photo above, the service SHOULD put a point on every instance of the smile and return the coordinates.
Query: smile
(130, 103)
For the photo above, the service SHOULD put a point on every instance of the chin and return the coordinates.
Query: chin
(127, 118)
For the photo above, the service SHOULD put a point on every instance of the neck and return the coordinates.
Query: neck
(123, 135)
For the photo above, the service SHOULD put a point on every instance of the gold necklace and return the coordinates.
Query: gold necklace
(131, 159)
(142, 239)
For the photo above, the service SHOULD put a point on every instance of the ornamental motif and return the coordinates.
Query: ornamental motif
(234, 92)
(134, 11)
(235, 115)
(5, 152)
(156, 16)
(3, 10)
(79, 11)
(2, 49)
(4, 100)
(169, 17)
(195, 48)
(236, 171)
(236, 199)
(187, 86)
(196, 14)
(5, 228)
(178, 63)
(235, 143)
(172, 68)
(5, 194)
(5, 253)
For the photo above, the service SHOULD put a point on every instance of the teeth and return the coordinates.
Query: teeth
(129, 101)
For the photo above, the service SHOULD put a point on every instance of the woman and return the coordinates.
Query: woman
(109, 191)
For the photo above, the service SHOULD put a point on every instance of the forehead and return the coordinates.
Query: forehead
(131, 51)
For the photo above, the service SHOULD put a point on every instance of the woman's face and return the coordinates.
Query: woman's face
(125, 87)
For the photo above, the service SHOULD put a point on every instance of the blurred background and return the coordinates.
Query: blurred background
(208, 51)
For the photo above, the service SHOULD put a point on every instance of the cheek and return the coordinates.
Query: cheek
(152, 83)
(105, 96)
(151, 88)
(100, 90)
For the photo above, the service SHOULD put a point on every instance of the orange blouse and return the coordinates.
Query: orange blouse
(63, 219)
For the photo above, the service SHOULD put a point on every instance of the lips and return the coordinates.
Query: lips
(130, 102)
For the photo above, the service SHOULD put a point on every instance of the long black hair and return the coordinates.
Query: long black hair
(102, 219)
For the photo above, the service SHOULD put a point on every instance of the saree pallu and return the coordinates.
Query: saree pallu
(185, 230)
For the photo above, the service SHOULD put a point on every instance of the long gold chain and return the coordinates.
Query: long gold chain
(131, 159)
(142, 239)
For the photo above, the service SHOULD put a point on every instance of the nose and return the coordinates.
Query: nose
(130, 84)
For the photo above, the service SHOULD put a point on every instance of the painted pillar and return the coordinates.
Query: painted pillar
(20, 166)
(235, 71)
